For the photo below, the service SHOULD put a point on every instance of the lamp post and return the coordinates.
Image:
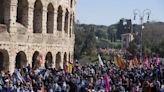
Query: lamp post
(141, 15)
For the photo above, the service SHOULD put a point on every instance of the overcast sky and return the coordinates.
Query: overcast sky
(107, 12)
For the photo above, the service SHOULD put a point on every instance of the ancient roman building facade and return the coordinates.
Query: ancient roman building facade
(36, 32)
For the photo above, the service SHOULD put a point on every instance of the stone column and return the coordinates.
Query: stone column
(44, 21)
(68, 24)
(12, 16)
(55, 21)
(30, 18)
(54, 59)
(63, 20)
(62, 59)
(29, 55)
(12, 56)
(70, 30)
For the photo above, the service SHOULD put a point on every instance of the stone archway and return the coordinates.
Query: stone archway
(50, 18)
(66, 21)
(59, 18)
(4, 11)
(4, 60)
(65, 60)
(21, 60)
(22, 12)
(37, 21)
(48, 60)
(35, 60)
(58, 61)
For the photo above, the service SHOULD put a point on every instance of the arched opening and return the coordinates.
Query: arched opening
(37, 21)
(4, 60)
(50, 18)
(4, 11)
(36, 60)
(21, 60)
(59, 19)
(70, 30)
(22, 12)
(71, 3)
(66, 21)
(65, 60)
(58, 61)
(49, 60)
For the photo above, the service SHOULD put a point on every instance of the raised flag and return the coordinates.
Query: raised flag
(147, 62)
(157, 60)
(135, 61)
(115, 61)
(130, 64)
(70, 66)
(42, 87)
(122, 64)
(100, 60)
(107, 85)
(119, 61)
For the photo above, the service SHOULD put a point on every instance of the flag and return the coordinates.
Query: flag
(157, 60)
(42, 87)
(115, 61)
(107, 85)
(130, 64)
(65, 68)
(143, 61)
(70, 66)
(135, 61)
(119, 61)
(100, 61)
(122, 64)
(147, 62)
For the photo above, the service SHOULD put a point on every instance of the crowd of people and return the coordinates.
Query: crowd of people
(84, 78)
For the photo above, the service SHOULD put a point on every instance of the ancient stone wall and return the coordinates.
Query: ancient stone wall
(33, 31)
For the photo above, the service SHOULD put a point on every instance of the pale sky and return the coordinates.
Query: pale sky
(107, 12)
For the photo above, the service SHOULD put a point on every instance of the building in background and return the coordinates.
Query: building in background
(36, 32)
(126, 39)
(124, 26)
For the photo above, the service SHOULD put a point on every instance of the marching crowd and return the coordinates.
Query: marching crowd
(86, 78)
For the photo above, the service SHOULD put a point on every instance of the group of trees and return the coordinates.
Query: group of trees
(152, 39)
(88, 38)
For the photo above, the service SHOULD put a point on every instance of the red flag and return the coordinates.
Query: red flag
(42, 87)
(136, 61)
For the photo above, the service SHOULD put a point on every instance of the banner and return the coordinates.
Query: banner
(119, 61)
(100, 61)
(157, 60)
(130, 64)
(70, 66)
(147, 62)
(107, 86)
(136, 62)
(115, 61)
